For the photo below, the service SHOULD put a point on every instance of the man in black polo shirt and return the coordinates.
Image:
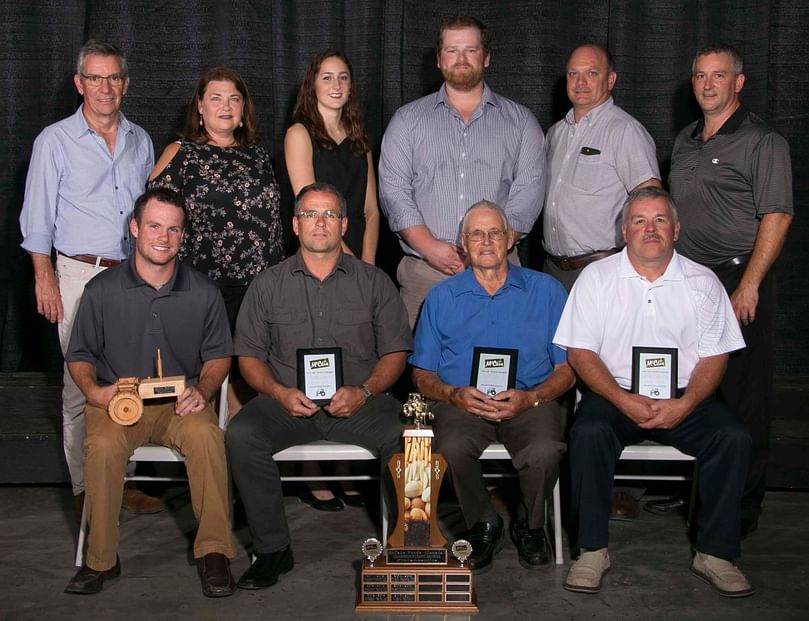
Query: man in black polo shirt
(127, 312)
(318, 298)
(731, 178)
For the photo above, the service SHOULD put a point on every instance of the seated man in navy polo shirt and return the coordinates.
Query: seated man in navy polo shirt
(150, 302)
(495, 305)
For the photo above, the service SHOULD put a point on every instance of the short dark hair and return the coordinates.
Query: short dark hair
(463, 21)
(195, 131)
(736, 60)
(601, 48)
(320, 186)
(98, 47)
(163, 195)
(648, 192)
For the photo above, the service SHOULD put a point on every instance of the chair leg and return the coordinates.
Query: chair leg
(557, 525)
(82, 536)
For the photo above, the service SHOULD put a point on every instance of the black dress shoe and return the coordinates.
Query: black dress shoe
(486, 540)
(665, 505)
(267, 569)
(89, 581)
(332, 504)
(532, 546)
(215, 576)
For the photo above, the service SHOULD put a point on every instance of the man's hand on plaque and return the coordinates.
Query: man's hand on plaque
(346, 402)
(638, 408)
(296, 402)
(511, 402)
(470, 399)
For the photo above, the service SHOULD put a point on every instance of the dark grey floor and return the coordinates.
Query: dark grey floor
(649, 578)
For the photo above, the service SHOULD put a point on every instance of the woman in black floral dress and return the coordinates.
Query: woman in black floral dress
(234, 229)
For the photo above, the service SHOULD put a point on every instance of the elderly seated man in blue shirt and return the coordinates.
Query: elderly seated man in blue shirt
(495, 305)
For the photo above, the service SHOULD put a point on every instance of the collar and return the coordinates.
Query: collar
(489, 97)
(593, 116)
(465, 282)
(179, 281)
(79, 126)
(297, 264)
(674, 270)
(728, 127)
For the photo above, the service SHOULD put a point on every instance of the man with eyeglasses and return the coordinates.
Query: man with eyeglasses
(83, 178)
(318, 300)
(496, 306)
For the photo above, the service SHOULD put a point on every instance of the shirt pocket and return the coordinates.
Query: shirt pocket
(587, 172)
(288, 329)
(354, 332)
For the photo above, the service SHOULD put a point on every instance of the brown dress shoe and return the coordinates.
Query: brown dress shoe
(90, 581)
(624, 506)
(135, 501)
(215, 576)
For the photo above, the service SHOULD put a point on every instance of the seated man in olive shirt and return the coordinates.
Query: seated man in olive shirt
(318, 298)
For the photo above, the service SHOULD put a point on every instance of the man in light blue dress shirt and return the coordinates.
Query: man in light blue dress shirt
(83, 178)
(453, 148)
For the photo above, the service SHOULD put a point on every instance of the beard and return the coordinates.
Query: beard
(462, 77)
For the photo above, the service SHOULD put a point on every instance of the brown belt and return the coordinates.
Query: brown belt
(93, 260)
(567, 264)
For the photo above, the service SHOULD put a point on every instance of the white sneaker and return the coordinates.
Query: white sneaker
(722, 575)
(586, 573)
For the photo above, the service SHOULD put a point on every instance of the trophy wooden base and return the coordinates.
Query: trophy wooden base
(403, 588)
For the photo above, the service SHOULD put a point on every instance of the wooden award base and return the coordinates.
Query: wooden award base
(414, 588)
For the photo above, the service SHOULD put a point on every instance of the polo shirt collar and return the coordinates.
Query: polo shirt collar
(179, 281)
(593, 116)
(465, 282)
(79, 126)
(728, 127)
(674, 270)
(297, 265)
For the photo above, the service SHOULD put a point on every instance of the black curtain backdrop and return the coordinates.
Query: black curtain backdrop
(390, 44)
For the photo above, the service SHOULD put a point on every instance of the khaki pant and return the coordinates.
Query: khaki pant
(107, 449)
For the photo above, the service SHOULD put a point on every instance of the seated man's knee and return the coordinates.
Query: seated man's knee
(542, 453)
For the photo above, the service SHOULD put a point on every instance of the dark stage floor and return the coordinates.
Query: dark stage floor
(649, 578)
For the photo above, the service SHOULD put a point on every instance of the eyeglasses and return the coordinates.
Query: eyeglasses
(115, 79)
(478, 236)
(313, 214)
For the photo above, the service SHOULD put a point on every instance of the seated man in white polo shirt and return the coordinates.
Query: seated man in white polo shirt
(648, 296)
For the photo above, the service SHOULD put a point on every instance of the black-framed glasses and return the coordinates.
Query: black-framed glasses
(114, 79)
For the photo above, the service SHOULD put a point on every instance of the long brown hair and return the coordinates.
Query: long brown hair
(306, 111)
(196, 132)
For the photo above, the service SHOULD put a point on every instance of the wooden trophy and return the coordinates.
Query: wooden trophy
(126, 406)
(416, 575)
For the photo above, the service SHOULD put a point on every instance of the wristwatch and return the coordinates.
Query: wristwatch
(366, 394)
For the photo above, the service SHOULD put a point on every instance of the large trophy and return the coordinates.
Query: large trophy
(126, 406)
(415, 574)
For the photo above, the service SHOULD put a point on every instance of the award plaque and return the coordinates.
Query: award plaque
(320, 373)
(654, 372)
(493, 370)
(415, 574)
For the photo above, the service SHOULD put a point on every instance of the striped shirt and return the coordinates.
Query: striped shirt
(613, 308)
(434, 166)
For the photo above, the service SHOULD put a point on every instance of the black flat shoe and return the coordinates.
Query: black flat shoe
(89, 581)
(532, 546)
(349, 500)
(267, 569)
(215, 576)
(663, 506)
(332, 504)
(486, 540)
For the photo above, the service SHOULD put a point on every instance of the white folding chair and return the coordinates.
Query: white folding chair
(151, 453)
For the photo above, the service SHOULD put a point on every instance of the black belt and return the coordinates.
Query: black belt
(733, 262)
(567, 264)
(91, 259)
